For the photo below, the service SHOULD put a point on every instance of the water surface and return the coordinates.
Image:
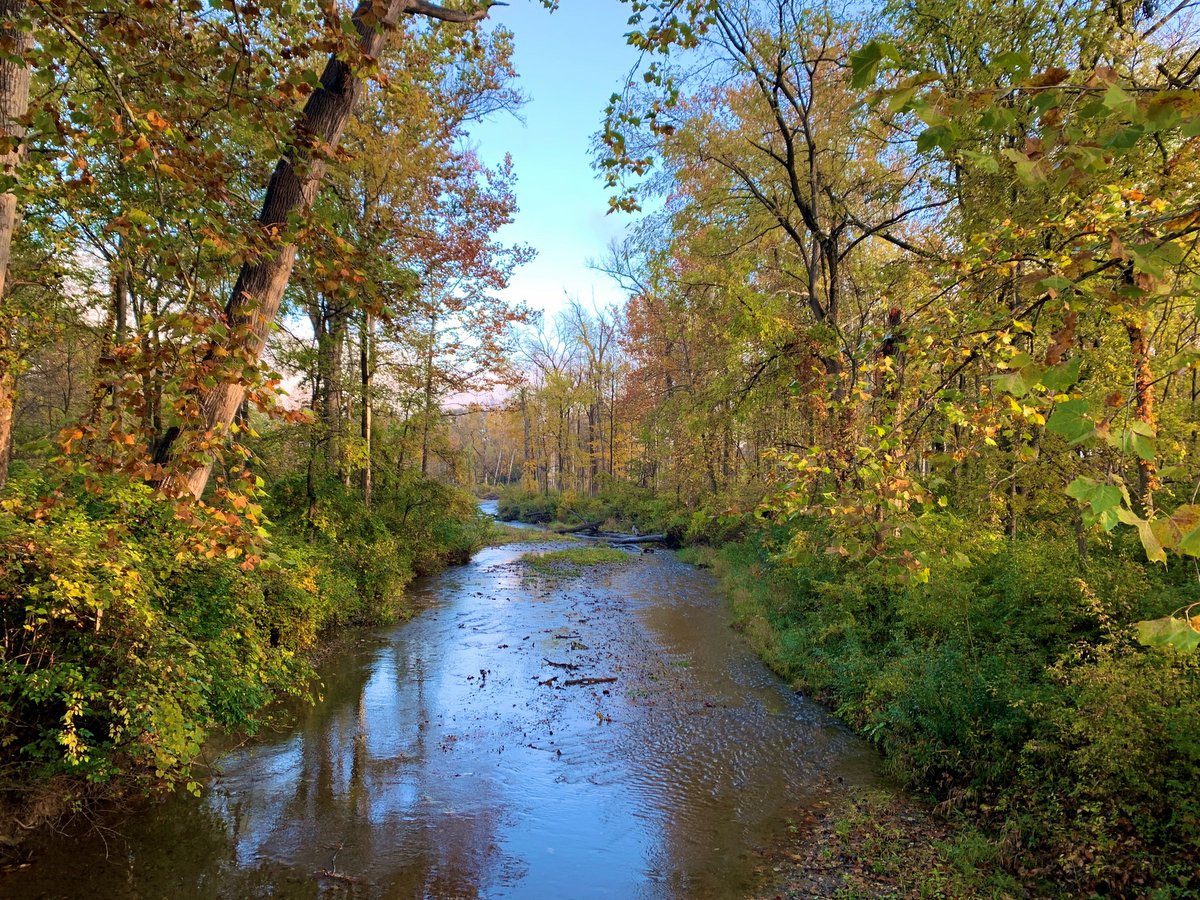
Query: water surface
(450, 758)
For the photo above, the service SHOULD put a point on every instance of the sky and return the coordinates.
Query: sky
(570, 62)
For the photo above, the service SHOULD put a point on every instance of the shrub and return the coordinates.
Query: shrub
(1010, 678)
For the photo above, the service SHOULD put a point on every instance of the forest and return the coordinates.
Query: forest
(909, 357)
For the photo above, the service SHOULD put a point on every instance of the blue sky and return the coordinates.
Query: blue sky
(570, 62)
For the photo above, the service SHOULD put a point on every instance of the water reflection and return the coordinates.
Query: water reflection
(451, 759)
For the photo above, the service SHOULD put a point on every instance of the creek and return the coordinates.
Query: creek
(451, 757)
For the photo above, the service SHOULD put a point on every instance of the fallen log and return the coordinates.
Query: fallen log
(616, 537)
(572, 682)
(579, 529)
(636, 538)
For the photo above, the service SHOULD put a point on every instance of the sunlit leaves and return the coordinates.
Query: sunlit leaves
(1170, 631)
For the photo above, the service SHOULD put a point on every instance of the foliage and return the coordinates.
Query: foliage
(1005, 686)
(123, 647)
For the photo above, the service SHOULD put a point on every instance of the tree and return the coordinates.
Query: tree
(255, 297)
(15, 41)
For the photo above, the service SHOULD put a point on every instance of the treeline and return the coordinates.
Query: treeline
(248, 256)
(913, 311)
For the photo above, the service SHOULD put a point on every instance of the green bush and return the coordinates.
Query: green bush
(121, 649)
(125, 642)
(1009, 679)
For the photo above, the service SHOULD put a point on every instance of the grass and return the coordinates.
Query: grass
(574, 560)
(878, 844)
(502, 534)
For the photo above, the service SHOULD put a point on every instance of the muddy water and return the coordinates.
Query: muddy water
(449, 758)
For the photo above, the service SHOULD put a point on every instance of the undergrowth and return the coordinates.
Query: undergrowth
(1009, 687)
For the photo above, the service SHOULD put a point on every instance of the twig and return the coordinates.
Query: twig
(339, 876)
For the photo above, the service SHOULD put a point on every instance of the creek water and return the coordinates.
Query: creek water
(451, 757)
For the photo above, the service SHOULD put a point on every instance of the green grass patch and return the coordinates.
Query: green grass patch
(502, 535)
(574, 560)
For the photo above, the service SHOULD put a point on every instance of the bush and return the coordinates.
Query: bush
(121, 649)
(1009, 679)
(124, 645)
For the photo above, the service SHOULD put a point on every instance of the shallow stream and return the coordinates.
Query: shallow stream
(451, 758)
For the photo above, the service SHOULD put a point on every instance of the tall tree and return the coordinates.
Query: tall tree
(255, 297)
(16, 37)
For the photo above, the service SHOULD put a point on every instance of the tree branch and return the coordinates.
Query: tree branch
(445, 14)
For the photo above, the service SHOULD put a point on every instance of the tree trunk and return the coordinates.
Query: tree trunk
(14, 104)
(427, 414)
(1143, 392)
(528, 450)
(331, 335)
(254, 301)
(364, 358)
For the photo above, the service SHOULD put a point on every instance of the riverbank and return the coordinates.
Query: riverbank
(126, 646)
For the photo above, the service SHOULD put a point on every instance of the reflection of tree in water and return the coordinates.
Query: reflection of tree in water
(358, 787)
(362, 799)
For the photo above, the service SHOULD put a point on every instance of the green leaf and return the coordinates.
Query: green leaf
(1137, 440)
(1168, 632)
(1120, 102)
(1045, 100)
(901, 99)
(936, 136)
(1154, 550)
(1012, 383)
(1059, 378)
(1070, 419)
(1142, 439)
(864, 64)
(1101, 496)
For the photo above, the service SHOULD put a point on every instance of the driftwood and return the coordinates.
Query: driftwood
(571, 682)
(579, 529)
(633, 538)
(339, 876)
